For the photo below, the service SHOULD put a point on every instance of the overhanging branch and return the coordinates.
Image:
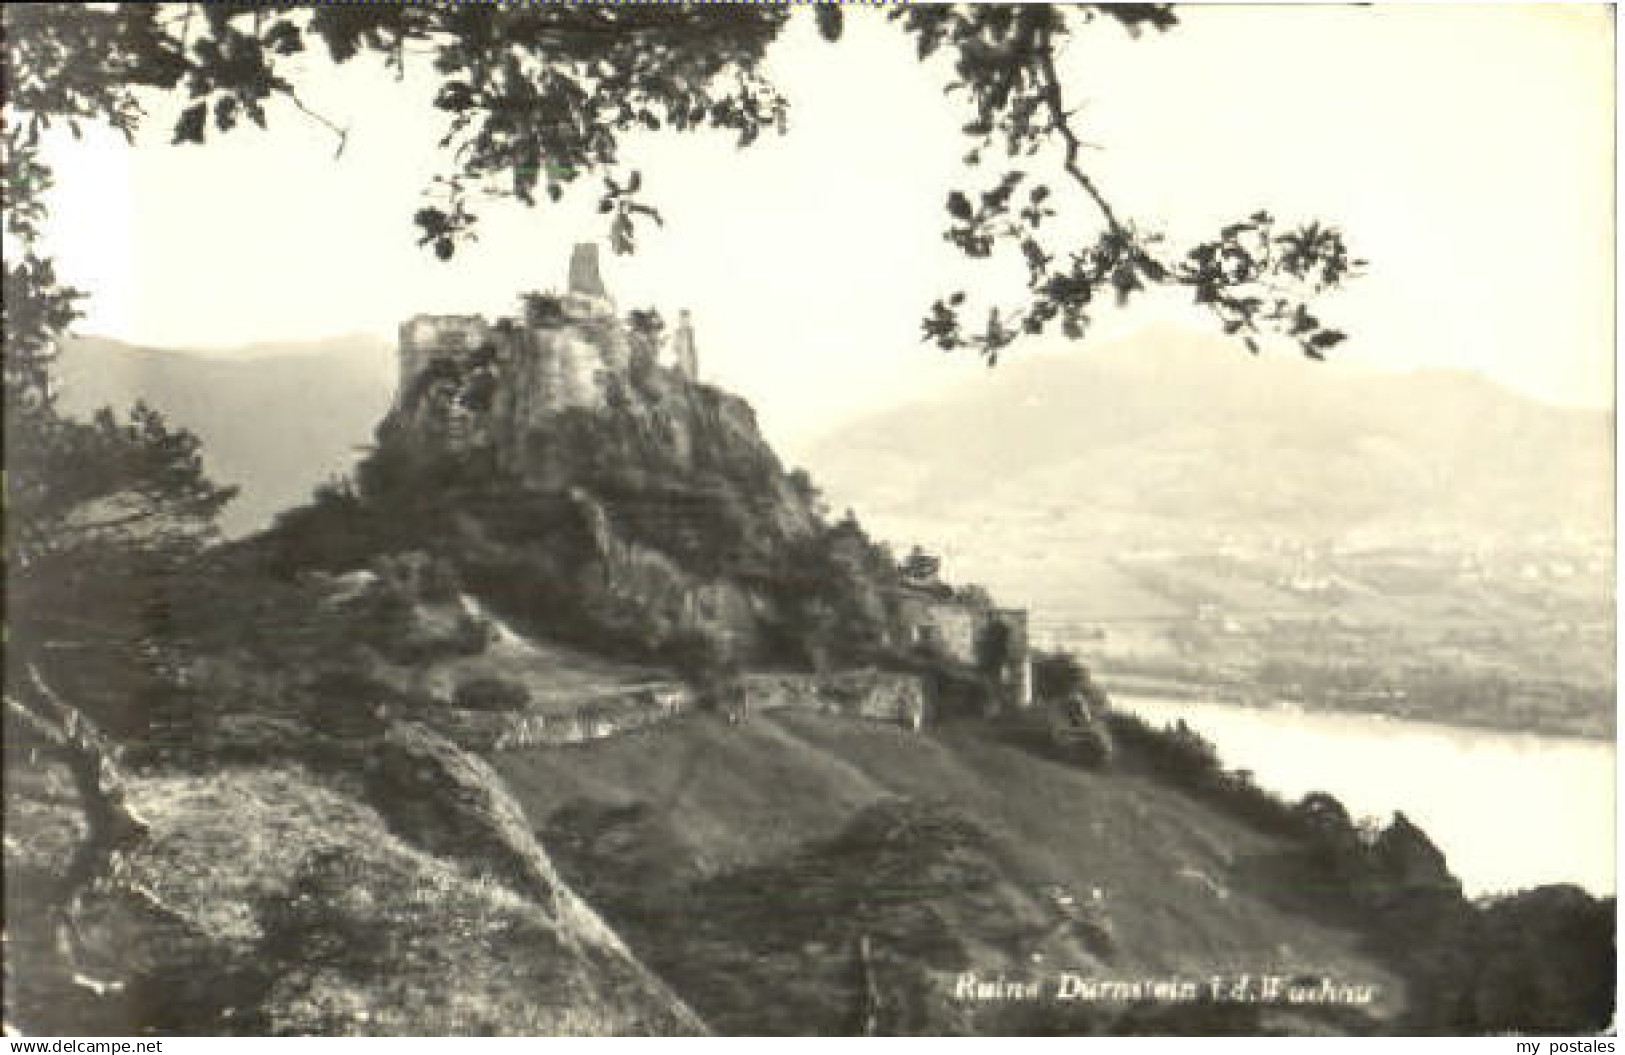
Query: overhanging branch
(1060, 123)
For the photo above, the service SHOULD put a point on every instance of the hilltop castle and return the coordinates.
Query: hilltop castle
(599, 422)
(561, 351)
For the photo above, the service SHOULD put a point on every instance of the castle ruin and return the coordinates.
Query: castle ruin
(476, 385)
(560, 351)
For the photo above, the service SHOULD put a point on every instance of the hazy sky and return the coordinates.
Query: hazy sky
(1467, 151)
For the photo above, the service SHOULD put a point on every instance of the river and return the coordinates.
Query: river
(1509, 810)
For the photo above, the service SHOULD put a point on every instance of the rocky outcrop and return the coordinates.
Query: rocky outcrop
(280, 900)
(452, 804)
(633, 583)
(653, 524)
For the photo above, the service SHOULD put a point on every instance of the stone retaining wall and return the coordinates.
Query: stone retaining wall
(595, 718)
(877, 695)
(873, 695)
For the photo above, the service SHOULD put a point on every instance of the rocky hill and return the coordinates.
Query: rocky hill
(586, 484)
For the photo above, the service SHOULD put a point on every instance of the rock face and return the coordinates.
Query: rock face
(632, 580)
(280, 900)
(451, 803)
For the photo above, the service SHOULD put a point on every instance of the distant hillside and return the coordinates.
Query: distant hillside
(275, 419)
(1178, 440)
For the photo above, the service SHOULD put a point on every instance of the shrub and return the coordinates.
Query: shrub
(492, 694)
(347, 702)
(1056, 675)
(1182, 756)
(1176, 751)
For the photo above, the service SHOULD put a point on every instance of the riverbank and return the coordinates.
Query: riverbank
(1509, 810)
(1597, 728)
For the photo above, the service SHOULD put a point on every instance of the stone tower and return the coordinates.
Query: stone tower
(586, 297)
(687, 355)
(584, 276)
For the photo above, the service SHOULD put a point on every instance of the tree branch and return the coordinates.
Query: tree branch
(343, 134)
(1050, 92)
(112, 828)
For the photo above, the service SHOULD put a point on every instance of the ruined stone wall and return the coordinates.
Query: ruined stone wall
(461, 332)
(543, 369)
(597, 717)
(425, 338)
(956, 629)
(877, 695)
(949, 626)
(685, 354)
(872, 695)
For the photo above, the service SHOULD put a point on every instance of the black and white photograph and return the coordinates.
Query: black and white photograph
(810, 519)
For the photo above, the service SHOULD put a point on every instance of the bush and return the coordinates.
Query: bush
(492, 694)
(348, 702)
(1182, 756)
(1092, 745)
(1056, 675)
(1176, 751)
(704, 660)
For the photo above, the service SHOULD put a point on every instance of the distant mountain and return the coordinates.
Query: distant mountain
(1180, 441)
(275, 419)
(1170, 439)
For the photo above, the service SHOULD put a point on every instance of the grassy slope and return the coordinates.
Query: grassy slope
(751, 794)
(557, 676)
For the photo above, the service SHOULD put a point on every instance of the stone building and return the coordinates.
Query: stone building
(963, 626)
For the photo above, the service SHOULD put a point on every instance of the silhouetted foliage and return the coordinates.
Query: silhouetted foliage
(801, 483)
(832, 590)
(104, 519)
(1057, 675)
(1544, 962)
(1256, 275)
